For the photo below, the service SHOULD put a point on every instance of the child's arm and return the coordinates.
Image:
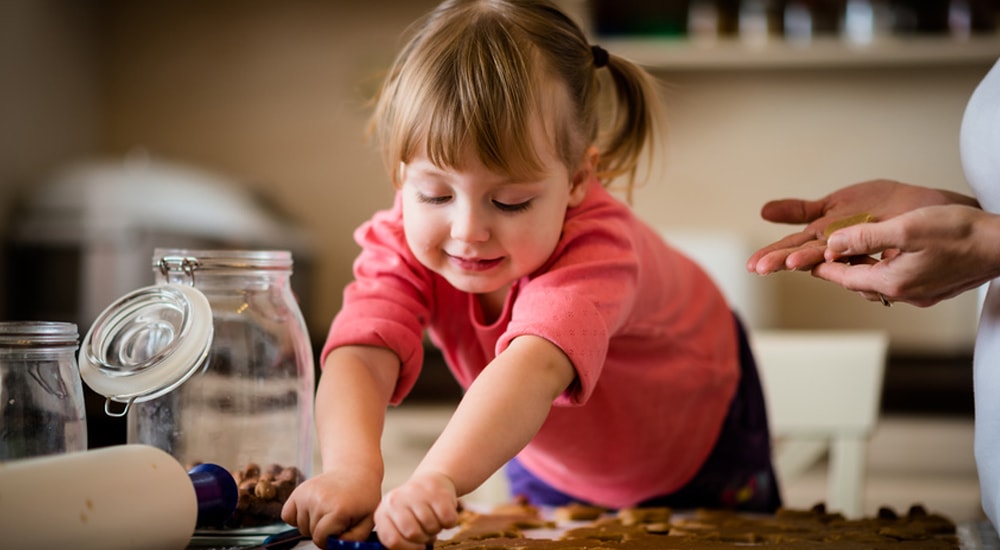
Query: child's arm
(353, 392)
(501, 412)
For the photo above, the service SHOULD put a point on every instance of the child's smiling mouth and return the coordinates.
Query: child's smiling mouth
(473, 264)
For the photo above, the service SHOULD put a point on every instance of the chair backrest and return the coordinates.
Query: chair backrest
(820, 381)
(823, 391)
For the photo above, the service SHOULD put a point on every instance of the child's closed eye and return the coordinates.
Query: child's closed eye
(515, 207)
(433, 199)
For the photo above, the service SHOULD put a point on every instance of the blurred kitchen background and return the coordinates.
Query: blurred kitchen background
(128, 125)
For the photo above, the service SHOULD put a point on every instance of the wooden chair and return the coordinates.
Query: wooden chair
(823, 392)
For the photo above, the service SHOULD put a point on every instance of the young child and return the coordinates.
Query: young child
(599, 364)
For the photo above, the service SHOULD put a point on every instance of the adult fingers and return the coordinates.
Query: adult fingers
(858, 277)
(863, 239)
(805, 257)
(773, 257)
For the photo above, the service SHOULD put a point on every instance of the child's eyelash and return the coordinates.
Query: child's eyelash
(519, 207)
(502, 206)
(441, 199)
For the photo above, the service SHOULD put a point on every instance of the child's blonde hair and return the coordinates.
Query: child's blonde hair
(474, 73)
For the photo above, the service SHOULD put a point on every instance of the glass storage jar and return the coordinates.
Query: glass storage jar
(234, 390)
(42, 411)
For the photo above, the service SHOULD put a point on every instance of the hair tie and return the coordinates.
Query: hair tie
(600, 56)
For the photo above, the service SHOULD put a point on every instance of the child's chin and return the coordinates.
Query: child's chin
(464, 284)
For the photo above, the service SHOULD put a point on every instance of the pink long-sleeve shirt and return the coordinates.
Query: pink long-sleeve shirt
(651, 337)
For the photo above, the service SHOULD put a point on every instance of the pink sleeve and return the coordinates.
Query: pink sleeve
(580, 301)
(385, 305)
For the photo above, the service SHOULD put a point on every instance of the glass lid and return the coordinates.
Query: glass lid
(146, 344)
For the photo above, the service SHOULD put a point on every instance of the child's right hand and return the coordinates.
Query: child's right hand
(412, 515)
(335, 503)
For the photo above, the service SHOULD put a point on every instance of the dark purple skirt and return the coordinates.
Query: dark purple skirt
(737, 475)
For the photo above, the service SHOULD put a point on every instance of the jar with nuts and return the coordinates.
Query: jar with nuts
(214, 364)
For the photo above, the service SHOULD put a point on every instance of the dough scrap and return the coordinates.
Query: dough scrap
(863, 217)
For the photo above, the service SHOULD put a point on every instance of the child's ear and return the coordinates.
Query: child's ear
(582, 176)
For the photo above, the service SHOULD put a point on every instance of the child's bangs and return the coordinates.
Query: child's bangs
(475, 98)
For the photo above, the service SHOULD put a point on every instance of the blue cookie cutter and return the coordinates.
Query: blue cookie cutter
(371, 543)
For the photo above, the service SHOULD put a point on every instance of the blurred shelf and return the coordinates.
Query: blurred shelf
(825, 52)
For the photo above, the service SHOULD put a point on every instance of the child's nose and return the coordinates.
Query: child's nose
(469, 225)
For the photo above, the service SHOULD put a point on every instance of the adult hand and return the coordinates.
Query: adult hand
(334, 503)
(412, 515)
(883, 199)
(927, 255)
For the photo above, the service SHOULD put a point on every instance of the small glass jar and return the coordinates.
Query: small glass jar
(42, 410)
(222, 368)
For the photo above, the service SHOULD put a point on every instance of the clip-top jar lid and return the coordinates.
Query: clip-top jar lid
(146, 344)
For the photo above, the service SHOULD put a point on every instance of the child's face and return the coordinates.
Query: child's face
(481, 230)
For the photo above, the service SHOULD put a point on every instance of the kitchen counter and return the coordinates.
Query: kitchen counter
(974, 535)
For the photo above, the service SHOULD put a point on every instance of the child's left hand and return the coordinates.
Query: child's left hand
(410, 516)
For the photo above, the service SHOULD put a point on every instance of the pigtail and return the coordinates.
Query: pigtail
(634, 114)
